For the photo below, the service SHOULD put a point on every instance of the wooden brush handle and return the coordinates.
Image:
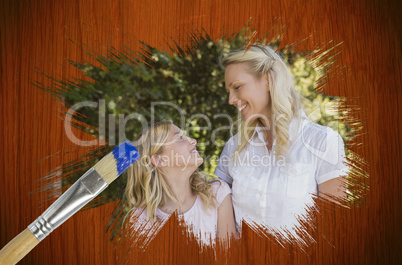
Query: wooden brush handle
(17, 248)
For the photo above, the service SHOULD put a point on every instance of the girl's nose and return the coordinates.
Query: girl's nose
(192, 141)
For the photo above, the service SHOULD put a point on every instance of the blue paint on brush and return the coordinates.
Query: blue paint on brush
(125, 154)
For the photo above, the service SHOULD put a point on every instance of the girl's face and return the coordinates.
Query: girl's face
(249, 94)
(179, 151)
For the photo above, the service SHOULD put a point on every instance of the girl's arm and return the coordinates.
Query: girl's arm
(226, 222)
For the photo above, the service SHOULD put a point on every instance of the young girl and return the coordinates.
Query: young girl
(165, 179)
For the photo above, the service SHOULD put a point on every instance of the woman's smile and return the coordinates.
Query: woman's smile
(242, 107)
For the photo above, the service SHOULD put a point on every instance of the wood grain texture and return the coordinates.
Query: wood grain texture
(35, 36)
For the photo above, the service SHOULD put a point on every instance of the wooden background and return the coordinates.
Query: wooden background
(36, 36)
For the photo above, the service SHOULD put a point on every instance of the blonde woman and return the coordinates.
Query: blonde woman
(279, 159)
(165, 180)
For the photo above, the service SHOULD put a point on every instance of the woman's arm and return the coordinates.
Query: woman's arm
(332, 169)
(334, 189)
(226, 222)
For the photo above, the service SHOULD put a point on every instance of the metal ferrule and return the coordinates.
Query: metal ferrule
(78, 195)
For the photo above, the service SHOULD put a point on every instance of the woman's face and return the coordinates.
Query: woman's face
(249, 94)
(179, 151)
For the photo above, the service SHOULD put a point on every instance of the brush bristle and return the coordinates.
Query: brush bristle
(117, 161)
(107, 168)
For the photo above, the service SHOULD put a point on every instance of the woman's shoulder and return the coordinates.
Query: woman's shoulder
(313, 133)
(232, 143)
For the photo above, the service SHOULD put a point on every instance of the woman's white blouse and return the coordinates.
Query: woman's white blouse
(276, 191)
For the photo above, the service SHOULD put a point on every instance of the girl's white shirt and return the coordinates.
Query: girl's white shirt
(202, 222)
(275, 192)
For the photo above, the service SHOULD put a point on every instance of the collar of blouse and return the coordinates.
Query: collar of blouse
(295, 127)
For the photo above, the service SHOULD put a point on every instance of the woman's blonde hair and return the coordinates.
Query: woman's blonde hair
(146, 186)
(285, 103)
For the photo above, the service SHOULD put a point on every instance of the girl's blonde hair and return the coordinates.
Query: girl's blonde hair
(146, 186)
(285, 103)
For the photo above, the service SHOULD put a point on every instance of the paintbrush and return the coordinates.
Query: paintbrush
(87, 187)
